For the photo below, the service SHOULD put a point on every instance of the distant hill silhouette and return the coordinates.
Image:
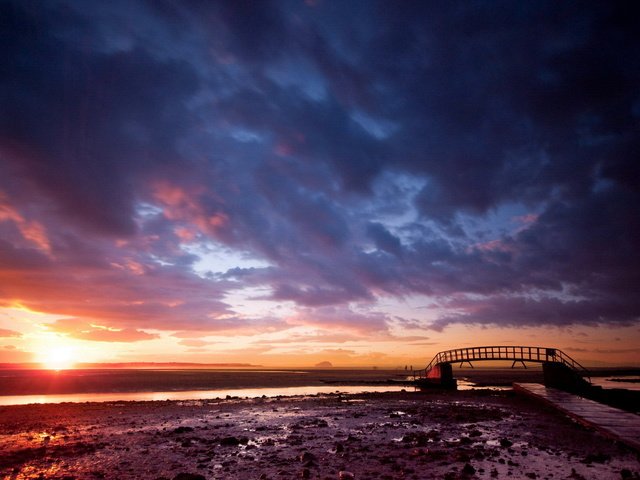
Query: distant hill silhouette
(324, 365)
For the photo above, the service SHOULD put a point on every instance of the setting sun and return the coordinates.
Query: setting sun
(58, 358)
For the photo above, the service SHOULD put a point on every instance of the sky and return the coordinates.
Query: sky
(290, 182)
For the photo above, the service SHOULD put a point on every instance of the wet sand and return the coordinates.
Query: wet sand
(409, 435)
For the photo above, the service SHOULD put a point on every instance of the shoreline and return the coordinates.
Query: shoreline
(84, 381)
(195, 395)
(414, 435)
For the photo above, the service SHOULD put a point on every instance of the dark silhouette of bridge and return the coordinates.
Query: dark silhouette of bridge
(559, 369)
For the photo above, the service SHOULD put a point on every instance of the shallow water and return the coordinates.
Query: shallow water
(85, 381)
(20, 387)
(610, 382)
(191, 394)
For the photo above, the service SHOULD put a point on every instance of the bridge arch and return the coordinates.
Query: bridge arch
(559, 368)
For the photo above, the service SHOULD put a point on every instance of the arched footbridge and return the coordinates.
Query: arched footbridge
(560, 370)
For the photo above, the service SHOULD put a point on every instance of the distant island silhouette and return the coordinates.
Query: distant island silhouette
(324, 364)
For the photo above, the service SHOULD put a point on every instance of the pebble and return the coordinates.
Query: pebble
(189, 476)
(230, 441)
(468, 469)
(183, 430)
(505, 442)
(307, 457)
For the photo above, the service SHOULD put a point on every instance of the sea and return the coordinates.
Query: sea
(27, 386)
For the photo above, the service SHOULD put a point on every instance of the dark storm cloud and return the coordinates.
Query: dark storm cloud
(358, 159)
(383, 239)
(511, 101)
(12, 258)
(540, 311)
(81, 124)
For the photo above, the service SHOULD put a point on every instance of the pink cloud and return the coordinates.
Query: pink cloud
(342, 319)
(236, 325)
(186, 234)
(4, 333)
(108, 285)
(32, 231)
(494, 246)
(307, 338)
(181, 205)
(193, 342)
(526, 219)
(284, 149)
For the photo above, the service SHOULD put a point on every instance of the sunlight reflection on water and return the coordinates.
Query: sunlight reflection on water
(193, 394)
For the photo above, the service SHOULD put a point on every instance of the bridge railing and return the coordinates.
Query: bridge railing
(516, 353)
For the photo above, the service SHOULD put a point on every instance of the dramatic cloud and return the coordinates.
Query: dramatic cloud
(252, 167)
(79, 329)
(333, 319)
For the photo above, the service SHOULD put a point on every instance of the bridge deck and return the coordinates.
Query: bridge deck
(609, 421)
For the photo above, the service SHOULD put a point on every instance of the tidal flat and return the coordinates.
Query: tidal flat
(393, 435)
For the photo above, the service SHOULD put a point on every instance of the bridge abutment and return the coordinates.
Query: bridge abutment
(558, 375)
(441, 375)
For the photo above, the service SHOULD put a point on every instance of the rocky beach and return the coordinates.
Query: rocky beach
(402, 435)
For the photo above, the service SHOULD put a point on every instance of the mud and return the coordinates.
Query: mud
(370, 436)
